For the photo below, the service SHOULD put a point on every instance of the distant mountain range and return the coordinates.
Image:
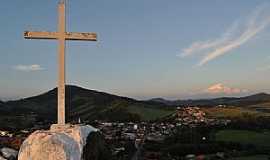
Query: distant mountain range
(89, 105)
(232, 101)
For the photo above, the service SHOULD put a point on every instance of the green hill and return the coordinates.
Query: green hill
(88, 105)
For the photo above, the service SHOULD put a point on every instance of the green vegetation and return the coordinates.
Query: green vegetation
(16, 122)
(88, 105)
(250, 117)
(230, 112)
(96, 147)
(255, 157)
(260, 139)
(148, 113)
(263, 108)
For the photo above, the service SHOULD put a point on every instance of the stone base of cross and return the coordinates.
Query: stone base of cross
(58, 143)
(61, 36)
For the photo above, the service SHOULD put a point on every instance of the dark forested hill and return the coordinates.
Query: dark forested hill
(81, 103)
(89, 105)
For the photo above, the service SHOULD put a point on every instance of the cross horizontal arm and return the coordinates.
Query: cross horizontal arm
(54, 35)
(81, 36)
(40, 35)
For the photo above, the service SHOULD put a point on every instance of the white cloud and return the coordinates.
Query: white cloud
(28, 68)
(220, 88)
(237, 35)
(196, 47)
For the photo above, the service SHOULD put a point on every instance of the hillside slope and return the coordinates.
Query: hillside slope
(88, 105)
(231, 101)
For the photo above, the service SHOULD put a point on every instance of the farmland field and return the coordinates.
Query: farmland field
(149, 113)
(262, 107)
(261, 139)
(255, 157)
(230, 112)
(235, 112)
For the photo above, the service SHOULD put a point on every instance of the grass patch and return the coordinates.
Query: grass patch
(149, 113)
(230, 112)
(263, 108)
(260, 139)
(261, 105)
(255, 157)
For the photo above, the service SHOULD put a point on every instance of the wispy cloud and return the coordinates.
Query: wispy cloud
(220, 88)
(264, 68)
(28, 68)
(196, 47)
(237, 35)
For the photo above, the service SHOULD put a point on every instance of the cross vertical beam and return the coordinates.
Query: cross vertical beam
(61, 36)
(61, 59)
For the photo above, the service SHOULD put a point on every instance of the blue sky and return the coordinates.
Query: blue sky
(146, 48)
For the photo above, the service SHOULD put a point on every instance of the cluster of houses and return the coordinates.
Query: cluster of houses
(9, 145)
(11, 140)
(190, 115)
(194, 116)
(124, 137)
(5, 134)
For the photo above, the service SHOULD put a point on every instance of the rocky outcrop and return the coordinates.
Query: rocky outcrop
(59, 143)
(8, 153)
(96, 148)
(2, 158)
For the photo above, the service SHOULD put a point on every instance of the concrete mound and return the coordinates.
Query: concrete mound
(61, 142)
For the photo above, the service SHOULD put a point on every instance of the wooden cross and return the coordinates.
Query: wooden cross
(61, 36)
